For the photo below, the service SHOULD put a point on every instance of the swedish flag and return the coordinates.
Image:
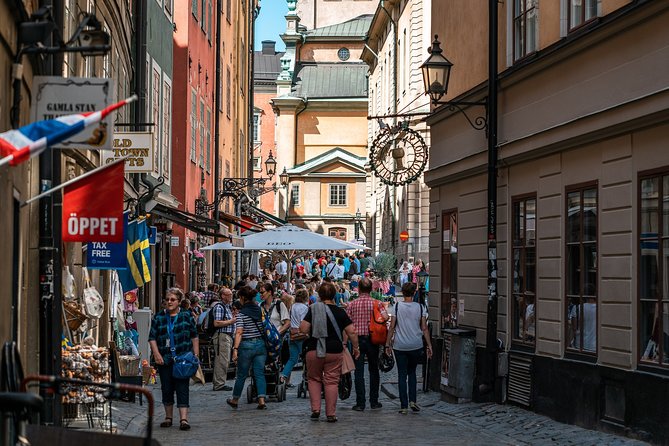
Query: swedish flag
(138, 272)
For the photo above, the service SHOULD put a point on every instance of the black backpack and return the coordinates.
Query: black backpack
(208, 323)
(354, 268)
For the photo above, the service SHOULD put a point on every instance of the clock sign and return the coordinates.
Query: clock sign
(398, 155)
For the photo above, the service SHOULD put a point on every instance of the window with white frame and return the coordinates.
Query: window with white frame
(338, 194)
(295, 195)
(256, 127)
(525, 28)
(582, 11)
(193, 127)
(257, 163)
(155, 115)
(166, 153)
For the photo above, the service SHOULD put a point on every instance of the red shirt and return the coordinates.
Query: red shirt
(361, 310)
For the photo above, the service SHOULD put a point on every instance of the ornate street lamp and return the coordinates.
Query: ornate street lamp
(270, 165)
(357, 224)
(283, 178)
(436, 72)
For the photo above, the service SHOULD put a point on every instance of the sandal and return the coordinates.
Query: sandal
(231, 403)
(166, 423)
(183, 425)
(332, 419)
(261, 406)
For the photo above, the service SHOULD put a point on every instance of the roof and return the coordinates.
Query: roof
(356, 28)
(266, 66)
(357, 163)
(330, 80)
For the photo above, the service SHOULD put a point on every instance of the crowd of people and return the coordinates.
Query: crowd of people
(321, 306)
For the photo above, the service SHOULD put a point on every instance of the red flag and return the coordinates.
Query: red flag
(93, 207)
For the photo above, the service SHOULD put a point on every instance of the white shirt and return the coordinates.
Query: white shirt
(282, 268)
(338, 272)
(297, 313)
(275, 318)
(408, 332)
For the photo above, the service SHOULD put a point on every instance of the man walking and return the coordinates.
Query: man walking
(209, 296)
(361, 311)
(224, 322)
(347, 266)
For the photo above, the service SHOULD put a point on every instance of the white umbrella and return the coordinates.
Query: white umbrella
(286, 238)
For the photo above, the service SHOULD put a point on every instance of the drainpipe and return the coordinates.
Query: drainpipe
(217, 135)
(393, 199)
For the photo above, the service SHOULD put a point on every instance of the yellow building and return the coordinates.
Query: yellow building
(321, 106)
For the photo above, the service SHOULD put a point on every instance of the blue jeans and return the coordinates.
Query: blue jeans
(407, 361)
(251, 353)
(169, 385)
(295, 350)
(372, 352)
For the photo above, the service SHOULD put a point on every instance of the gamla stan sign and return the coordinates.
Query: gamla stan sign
(138, 146)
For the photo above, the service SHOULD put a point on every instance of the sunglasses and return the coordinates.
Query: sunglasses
(172, 300)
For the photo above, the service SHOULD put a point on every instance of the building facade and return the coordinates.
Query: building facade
(396, 42)
(321, 105)
(580, 205)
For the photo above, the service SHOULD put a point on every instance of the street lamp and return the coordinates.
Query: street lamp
(436, 72)
(270, 165)
(284, 178)
(357, 225)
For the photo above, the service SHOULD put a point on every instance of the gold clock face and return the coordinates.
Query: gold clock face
(398, 155)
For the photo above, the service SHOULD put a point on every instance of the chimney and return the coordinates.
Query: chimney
(269, 47)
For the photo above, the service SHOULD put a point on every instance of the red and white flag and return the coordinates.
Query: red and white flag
(18, 145)
(93, 207)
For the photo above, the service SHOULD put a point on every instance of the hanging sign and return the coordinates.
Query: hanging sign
(107, 255)
(57, 96)
(136, 146)
(93, 207)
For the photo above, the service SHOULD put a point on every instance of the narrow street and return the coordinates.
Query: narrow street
(288, 423)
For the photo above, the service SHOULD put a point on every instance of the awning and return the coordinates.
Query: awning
(196, 223)
(240, 222)
(267, 216)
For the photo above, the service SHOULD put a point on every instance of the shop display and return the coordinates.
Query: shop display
(89, 363)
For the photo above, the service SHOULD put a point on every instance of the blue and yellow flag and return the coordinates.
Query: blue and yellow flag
(138, 272)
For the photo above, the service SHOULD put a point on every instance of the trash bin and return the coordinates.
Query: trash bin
(458, 360)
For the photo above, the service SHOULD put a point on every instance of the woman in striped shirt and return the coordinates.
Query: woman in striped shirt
(249, 348)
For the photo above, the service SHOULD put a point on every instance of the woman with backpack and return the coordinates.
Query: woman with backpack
(274, 308)
(325, 324)
(249, 349)
(407, 329)
(173, 333)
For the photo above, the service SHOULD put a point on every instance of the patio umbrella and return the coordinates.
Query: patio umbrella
(287, 238)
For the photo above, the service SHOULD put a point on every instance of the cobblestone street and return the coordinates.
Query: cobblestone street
(288, 423)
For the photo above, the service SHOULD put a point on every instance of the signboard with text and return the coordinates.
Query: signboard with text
(138, 146)
(58, 96)
(107, 255)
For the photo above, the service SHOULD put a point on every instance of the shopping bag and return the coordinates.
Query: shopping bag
(95, 307)
(198, 378)
(347, 365)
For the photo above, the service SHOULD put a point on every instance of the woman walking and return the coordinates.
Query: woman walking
(404, 273)
(406, 330)
(297, 313)
(249, 349)
(325, 323)
(173, 333)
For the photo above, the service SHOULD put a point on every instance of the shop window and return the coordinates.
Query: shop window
(581, 269)
(449, 269)
(652, 269)
(524, 279)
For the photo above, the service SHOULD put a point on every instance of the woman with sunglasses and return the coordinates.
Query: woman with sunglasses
(173, 325)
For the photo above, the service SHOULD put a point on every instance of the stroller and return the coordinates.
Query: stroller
(303, 388)
(275, 388)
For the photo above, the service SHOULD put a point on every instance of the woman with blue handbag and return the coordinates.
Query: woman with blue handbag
(175, 347)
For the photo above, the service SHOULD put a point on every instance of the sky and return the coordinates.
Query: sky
(270, 23)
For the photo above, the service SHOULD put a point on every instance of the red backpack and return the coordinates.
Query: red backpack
(378, 329)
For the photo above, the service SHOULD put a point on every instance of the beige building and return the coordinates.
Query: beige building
(321, 109)
(583, 176)
(396, 42)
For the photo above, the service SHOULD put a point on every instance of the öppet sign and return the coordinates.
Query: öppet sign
(93, 207)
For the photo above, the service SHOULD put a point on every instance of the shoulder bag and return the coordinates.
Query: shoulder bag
(186, 364)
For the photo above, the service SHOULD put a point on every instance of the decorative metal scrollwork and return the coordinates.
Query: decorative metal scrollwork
(398, 155)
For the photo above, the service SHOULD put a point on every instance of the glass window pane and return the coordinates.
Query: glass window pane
(649, 331)
(590, 215)
(574, 217)
(531, 221)
(591, 9)
(649, 202)
(665, 269)
(517, 272)
(529, 318)
(530, 270)
(446, 274)
(573, 270)
(518, 312)
(590, 269)
(590, 326)
(665, 332)
(519, 37)
(531, 41)
(575, 13)
(454, 272)
(665, 206)
(648, 274)
(573, 323)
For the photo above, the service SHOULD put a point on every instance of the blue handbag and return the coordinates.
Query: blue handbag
(186, 364)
